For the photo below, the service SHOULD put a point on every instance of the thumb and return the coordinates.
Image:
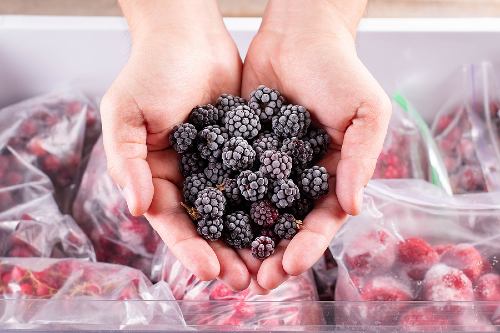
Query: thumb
(363, 141)
(124, 138)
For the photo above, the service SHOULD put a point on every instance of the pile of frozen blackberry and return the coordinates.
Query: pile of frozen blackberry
(249, 168)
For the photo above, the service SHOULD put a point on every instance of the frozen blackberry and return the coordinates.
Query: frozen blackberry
(319, 141)
(238, 231)
(275, 164)
(226, 102)
(210, 202)
(262, 247)
(238, 154)
(231, 191)
(292, 120)
(242, 121)
(287, 226)
(183, 137)
(300, 208)
(216, 172)
(252, 185)
(193, 185)
(314, 182)
(211, 140)
(264, 213)
(210, 227)
(300, 151)
(204, 115)
(265, 102)
(265, 141)
(191, 163)
(284, 193)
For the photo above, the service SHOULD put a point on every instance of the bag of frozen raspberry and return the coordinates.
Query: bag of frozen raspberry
(77, 294)
(417, 258)
(101, 211)
(467, 144)
(212, 303)
(34, 227)
(54, 132)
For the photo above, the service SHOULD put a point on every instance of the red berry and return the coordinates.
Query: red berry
(26, 288)
(28, 128)
(51, 163)
(417, 257)
(424, 319)
(466, 258)
(488, 287)
(14, 178)
(443, 283)
(373, 251)
(442, 248)
(35, 146)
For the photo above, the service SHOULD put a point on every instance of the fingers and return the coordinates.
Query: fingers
(362, 144)
(271, 273)
(315, 235)
(124, 138)
(178, 232)
(233, 271)
(164, 165)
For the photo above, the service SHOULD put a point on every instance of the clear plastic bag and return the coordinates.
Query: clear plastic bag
(464, 137)
(55, 133)
(325, 276)
(36, 228)
(413, 242)
(216, 304)
(404, 154)
(102, 212)
(73, 292)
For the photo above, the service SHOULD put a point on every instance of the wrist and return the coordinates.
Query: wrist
(314, 16)
(157, 19)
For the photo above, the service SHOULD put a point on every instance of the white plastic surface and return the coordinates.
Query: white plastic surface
(414, 56)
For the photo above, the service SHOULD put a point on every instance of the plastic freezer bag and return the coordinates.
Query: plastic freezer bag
(325, 276)
(77, 293)
(36, 228)
(413, 242)
(101, 211)
(216, 304)
(404, 154)
(464, 136)
(53, 132)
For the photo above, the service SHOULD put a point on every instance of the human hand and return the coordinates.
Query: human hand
(307, 52)
(181, 53)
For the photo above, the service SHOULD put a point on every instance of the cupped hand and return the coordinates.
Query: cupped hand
(309, 55)
(167, 73)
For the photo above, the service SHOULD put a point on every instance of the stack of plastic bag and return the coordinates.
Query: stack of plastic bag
(465, 134)
(413, 242)
(217, 305)
(102, 212)
(73, 293)
(54, 133)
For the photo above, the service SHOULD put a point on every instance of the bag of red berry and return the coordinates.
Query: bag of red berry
(74, 293)
(419, 253)
(36, 228)
(212, 303)
(55, 133)
(102, 212)
(464, 137)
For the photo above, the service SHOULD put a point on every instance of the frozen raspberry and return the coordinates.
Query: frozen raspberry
(488, 288)
(468, 179)
(466, 258)
(443, 283)
(385, 289)
(391, 166)
(424, 319)
(370, 252)
(417, 256)
(442, 248)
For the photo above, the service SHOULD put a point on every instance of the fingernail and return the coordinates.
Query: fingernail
(129, 197)
(359, 199)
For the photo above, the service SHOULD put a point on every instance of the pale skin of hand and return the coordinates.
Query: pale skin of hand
(181, 54)
(307, 52)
